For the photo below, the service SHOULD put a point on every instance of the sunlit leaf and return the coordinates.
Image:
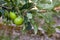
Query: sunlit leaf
(35, 26)
(46, 6)
(29, 15)
(18, 2)
(35, 29)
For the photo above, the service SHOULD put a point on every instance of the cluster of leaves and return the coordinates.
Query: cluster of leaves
(31, 10)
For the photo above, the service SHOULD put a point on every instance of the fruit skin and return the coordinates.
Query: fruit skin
(18, 20)
(12, 15)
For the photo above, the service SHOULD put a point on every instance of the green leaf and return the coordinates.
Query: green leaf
(18, 2)
(45, 1)
(26, 1)
(56, 2)
(47, 17)
(35, 1)
(7, 0)
(35, 26)
(35, 29)
(33, 11)
(58, 27)
(49, 30)
(2, 2)
(40, 15)
(46, 6)
(27, 6)
(29, 15)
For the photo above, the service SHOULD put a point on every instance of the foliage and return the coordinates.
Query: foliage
(32, 11)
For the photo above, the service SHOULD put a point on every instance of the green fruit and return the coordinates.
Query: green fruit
(12, 15)
(18, 21)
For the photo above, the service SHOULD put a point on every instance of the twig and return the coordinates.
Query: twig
(5, 7)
